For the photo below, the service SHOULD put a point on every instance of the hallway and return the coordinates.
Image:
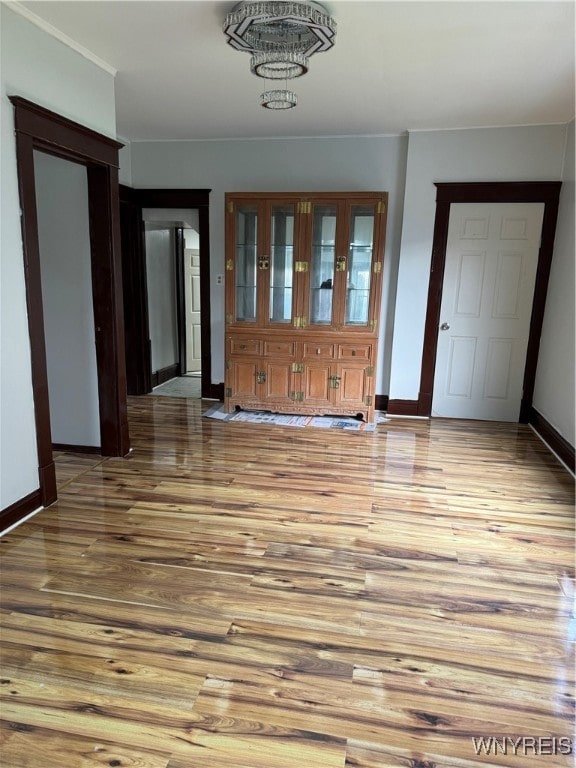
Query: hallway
(189, 385)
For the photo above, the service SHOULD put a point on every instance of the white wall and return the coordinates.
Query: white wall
(41, 69)
(161, 281)
(172, 217)
(275, 165)
(487, 154)
(64, 238)
(554, 387)
(125, 158)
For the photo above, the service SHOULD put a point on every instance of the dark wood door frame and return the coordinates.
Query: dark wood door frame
(180, 246)
(547, 192)
(40, 129)
(138, 352)
(140, 377)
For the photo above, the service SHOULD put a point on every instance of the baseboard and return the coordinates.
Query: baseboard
(381, 402)
(20, 509)
(77, 448)
(402, 407)
(217, 391)
(165, 374)
(552, 438)
(48, 485)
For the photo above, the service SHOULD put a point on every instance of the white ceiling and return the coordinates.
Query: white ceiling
(396, 66)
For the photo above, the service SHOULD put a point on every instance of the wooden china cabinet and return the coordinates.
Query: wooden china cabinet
(303, 290)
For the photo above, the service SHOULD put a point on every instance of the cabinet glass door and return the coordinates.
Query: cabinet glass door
(322, 263)
(281, 263)
(359, 267)
(245, 262)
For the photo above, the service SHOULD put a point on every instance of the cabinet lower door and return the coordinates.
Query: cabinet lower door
(244, 379)
(276, 385)
(317, 385)
(354, 386)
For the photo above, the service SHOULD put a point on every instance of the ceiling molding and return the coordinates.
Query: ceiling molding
(322, 137)
(447, 129)
(45, 26)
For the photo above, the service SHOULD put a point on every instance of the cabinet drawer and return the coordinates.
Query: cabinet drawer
(354, 352)
(279, 349)
(244, 346)
(318, 350)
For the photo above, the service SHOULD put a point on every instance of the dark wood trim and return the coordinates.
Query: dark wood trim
(205, 317)
(381, 402)
(66, 448)
(216, 392)
(20, 509)
(165, 374)
(137, 342)
(47, 478)
(31, 251)
(53, 132)
(40, 129)
(552, 438)
(169, 198)
(402, 408)
(497, 191)
(539, 303)
(104, 208)
(180, 299)
(440, 238)
(547, 192)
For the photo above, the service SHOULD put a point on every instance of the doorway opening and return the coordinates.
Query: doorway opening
(68, 315)
(166, 262)
(192, 363)
(38, 129)
(172, 260)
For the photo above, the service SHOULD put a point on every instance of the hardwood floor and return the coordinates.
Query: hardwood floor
(70, 465)
(244, 596)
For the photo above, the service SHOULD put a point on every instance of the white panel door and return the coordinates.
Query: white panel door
(487, 295)
(192, 299)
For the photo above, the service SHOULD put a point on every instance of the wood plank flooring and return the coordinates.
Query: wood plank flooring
(245, 596)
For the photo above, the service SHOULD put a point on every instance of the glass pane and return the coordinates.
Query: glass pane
(246, 244)
(281, 263)
(359, 264)
(322, 264)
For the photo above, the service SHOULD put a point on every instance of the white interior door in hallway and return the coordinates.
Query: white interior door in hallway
(192, 301)
(488, 290)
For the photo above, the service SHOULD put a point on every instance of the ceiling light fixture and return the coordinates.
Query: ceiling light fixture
(278, 99)
(279, 65)
(281, 36)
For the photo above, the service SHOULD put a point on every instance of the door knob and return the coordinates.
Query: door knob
(445, 326)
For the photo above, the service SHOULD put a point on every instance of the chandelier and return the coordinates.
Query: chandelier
(281, 37)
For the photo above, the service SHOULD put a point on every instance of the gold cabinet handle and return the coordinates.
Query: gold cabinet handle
(341, 264)
(263, 262)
